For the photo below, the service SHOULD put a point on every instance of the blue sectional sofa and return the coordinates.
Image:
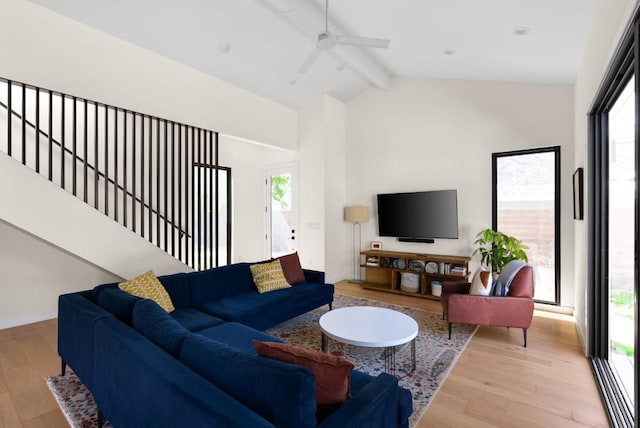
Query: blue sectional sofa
(197, 365)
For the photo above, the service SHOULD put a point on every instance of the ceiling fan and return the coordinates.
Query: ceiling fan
(327, 41)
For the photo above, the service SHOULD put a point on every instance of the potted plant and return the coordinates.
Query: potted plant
(497, 249)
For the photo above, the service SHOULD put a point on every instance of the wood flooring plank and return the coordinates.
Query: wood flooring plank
(8, 414)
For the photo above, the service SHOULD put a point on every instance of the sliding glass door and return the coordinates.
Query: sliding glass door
(613, 234)
(621, 224)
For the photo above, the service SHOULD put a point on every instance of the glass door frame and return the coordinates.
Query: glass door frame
(625, 65)
(556, 220)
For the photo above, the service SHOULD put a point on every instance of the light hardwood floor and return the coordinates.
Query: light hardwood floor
(496, 382)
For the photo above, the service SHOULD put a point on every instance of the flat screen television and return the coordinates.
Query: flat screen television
(419, 216)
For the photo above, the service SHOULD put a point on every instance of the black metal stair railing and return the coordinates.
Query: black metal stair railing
(158, 178)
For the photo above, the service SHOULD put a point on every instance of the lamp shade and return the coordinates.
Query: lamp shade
(356, 214)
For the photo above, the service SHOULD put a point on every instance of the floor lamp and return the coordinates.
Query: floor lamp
(356, 215)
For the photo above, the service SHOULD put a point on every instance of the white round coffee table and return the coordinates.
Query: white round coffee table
(372, 327)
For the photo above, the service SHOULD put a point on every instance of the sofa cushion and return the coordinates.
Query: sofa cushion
(292, 268)
(523, 283)
(117, 302)
(220, 282)
(238, 336)
(482, 282)
(281, 393)
(269, 276)
(195, 320)
(509, 272)
(177, 285)
(262, 311)
(332, 372)
(147, 286)
(158, 326)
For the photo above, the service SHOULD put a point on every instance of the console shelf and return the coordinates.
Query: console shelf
(384, 271)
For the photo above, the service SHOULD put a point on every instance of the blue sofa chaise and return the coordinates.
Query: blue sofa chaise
(197, 365)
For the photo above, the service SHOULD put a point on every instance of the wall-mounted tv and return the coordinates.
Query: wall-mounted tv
(418, 216)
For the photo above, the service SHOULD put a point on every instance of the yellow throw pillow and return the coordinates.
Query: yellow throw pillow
(148, 286)
(269, 276)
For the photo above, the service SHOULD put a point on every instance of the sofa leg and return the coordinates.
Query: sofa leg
(63, 367)
(331, 306)
(100, 419)
(524, 332)
(449, 331)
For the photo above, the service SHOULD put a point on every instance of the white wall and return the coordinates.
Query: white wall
(45, 49)
(312, 187)
(336, 254)
(26, 263)
(248, 162)
(607, 27)
(439, 134)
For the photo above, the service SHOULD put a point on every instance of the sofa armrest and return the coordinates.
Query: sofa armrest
(376, 404)
(313, 276)
(77, 315)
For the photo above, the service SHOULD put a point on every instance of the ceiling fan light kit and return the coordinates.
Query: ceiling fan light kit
(327, 41)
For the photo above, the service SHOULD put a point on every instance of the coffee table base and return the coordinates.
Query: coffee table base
(389, 355)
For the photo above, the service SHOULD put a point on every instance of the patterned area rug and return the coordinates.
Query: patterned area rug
(435, 353)
(435, 356)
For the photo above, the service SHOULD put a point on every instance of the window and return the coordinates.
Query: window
(526, 205)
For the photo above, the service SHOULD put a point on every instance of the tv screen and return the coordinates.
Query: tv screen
(420, 215)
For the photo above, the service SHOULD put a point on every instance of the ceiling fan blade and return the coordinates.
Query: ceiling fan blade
(363, 41)
(309, 60)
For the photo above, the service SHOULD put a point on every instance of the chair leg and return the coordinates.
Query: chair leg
(449, 331)
(63, 367)
(524, 332)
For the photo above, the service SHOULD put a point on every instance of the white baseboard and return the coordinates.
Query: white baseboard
(28, 320)
(553, 308)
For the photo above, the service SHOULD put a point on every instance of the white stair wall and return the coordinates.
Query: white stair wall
(31, 203)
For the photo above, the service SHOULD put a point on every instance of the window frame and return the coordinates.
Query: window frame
(556, 230)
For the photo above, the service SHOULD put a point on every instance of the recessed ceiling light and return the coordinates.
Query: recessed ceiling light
(449, 51)
(292, 82)
(521, 31)
(224, 48)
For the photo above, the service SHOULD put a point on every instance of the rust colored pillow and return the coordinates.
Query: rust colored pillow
(292, 268)
(333, 374)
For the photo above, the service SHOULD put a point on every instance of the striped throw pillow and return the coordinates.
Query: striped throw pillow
(269, 276)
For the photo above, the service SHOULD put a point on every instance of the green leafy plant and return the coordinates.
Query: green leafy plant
(496, 249)
(279, 186)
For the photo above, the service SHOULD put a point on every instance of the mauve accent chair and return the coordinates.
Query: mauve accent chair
(513, 310)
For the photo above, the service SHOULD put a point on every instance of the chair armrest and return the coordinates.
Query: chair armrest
(469, 309)
(451, 287)
(313, 276)
(376, 404)
(512, 312)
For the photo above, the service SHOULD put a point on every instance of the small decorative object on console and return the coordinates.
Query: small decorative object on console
(376, 245)
(416, 265)
(431, 267)
(373, 261)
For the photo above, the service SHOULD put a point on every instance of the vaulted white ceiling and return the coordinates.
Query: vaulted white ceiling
(268, 40)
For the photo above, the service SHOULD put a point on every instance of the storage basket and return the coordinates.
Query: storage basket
(409, 282)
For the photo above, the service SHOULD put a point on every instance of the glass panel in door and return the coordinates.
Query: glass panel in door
(282, 210)
(622, 233)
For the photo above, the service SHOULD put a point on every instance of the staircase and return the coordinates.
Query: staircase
(125, 191)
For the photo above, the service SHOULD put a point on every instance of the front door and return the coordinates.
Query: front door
(282, 210)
